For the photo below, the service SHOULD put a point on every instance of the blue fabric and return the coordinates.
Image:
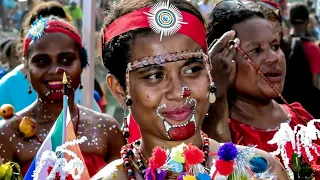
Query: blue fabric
(14, 91)
(96, 96)
(9, 3)
(3, 72)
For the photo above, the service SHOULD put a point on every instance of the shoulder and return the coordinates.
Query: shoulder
(97, 116)
(299, 108)
(113, 171)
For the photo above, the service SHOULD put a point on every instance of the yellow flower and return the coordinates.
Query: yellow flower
(189, 177)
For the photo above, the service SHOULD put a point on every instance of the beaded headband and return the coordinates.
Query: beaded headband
(42, 26)
(164, 19)
(161, 59)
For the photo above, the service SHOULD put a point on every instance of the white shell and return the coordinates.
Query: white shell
(212, 98)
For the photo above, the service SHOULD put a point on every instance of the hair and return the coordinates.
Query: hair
(116, 52)
(298, 13)
(223, 21)
(52, 11)
(45, 9)
(8, 47)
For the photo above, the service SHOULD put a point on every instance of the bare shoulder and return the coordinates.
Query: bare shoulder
(98, 117)
(274, 163)
(113, 171)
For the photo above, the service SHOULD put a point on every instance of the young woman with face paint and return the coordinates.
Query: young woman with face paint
(163, 79)
(50, 48)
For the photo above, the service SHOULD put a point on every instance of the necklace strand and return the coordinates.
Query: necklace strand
(131, 151)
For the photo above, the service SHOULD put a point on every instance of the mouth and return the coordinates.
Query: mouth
(178, 115)
(54, 85)
(274, 76)
(180, 131)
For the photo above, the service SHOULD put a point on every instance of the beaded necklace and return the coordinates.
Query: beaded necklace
(132, 150)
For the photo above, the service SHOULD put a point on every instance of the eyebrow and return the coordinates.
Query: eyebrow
(47, 55)
(150, 68)
(193, 60)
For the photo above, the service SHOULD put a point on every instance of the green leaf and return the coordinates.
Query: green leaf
(296, 162)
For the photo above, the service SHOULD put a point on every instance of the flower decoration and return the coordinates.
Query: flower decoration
(10, 170)
(242, 163)
(37, 28)
(296, 146)
(61, 168)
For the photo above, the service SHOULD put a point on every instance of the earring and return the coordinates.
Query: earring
(29, 90)
(126, 132)
(80, 86)
(212, 96)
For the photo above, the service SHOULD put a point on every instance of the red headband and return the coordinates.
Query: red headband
(138, 19)
(53, 26)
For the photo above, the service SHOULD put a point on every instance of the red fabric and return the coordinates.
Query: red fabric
(138, 19)
(56, 26)
(243, 134)
(93, 162)
(312, 52)
(134, 130)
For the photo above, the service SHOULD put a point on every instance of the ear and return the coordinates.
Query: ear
(116, 89)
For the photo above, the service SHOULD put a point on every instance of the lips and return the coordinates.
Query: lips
(54, 85)
(178, 115)
(274, 76)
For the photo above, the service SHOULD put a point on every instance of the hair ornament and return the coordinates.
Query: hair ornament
(37, 28)
(165, 19)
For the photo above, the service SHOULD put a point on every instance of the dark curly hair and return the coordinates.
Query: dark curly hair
(116, 53)
(222, 21)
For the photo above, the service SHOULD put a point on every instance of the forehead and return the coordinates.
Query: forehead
(150, 45)
(254, 29)
(53, 43)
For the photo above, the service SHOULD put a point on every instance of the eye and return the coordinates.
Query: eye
(256, 50)
(67, 61)
(192, 70)
(41, 61)
(276, 47)
(154, 76)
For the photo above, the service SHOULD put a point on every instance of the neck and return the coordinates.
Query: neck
(298, 31)
(217, 125)
(250, 111)
(149, 141)
(49, 111)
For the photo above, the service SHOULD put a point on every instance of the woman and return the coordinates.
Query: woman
(163, 82)
(14, 87)
(57, 48)
(254, 116)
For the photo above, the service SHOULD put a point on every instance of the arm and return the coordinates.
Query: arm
(6, 152)
(313, 54)
(113, 171)
(115, 140)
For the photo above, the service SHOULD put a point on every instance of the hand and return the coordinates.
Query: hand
(223, 66)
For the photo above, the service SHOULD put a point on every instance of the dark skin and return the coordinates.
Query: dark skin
(162, 85)
(251, 102)
(104, 136)
(254, 104)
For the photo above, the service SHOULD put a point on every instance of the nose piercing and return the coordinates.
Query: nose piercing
(60, 70)
(186, 92)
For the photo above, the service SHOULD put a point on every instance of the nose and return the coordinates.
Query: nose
(174, 89)
(272, 57)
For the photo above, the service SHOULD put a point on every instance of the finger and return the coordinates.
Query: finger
(222, 42)
(231, 54)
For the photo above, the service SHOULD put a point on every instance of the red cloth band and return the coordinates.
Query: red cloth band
(137, 19)
(54, 26)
